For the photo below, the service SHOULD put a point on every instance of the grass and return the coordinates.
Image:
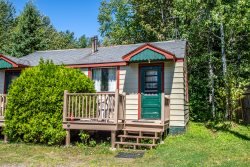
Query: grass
(200, 146)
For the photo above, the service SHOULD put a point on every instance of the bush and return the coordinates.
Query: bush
(35, 102)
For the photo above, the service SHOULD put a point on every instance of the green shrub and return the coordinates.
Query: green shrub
(35, 102)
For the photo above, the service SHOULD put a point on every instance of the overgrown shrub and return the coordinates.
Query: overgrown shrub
(35, 102)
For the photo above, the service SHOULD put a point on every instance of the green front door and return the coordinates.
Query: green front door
(150, 92)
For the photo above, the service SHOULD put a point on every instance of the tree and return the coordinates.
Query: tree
(84, 42)
(28, 35)
(35, 102)
(218, 33)
(7, 21)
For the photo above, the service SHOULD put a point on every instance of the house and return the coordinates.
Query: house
(142, 89)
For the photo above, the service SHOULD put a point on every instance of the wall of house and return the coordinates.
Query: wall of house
(174, 87)
(2, 79)
(129, 85)
(84, 71)
(186, 107)
(174, 83)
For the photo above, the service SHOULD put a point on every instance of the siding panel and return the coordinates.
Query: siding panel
(84, 71)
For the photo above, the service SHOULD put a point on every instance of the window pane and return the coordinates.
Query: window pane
(104, 83)
(96, 76)
(105, 79)
(111, 79)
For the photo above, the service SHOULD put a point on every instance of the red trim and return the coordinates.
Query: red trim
(139, 92)
(118, 78)
(166, 53)
(98, 65)
(8, 60)
(89, 73)
(139, 82)
(179, 60)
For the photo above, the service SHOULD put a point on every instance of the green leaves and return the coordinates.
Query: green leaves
(35, 102)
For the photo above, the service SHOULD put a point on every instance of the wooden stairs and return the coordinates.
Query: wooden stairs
(139, 137)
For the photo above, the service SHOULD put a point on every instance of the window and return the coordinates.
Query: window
(105, 79)
(9, 77)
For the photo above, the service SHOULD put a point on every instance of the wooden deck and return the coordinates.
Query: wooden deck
(106, 112)
(3, 102)
(94, 111)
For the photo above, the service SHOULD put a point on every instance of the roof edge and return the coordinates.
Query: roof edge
(164, 52)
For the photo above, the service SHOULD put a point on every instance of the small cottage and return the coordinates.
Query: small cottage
(141, 89)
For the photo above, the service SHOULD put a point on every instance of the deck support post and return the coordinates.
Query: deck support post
(113, 136)
(5, 139)
(116, 110)
(67, 137)
(163, 108)
(65, 104)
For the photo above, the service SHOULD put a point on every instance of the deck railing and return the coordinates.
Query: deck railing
(165, 109)
(3, 102)
(100, 107)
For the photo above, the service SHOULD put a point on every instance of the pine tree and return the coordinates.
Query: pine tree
(29, 34)
(7, 19)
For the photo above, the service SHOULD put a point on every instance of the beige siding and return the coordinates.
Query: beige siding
(129, 84)
(186, 111)
(174, 86)
(84, 71)
(2, 75)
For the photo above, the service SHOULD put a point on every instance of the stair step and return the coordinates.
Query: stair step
(141, 137)
(136, 129)
(136, 144)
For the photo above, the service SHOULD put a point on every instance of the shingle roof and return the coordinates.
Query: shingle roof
(18, 60)
(103, 55)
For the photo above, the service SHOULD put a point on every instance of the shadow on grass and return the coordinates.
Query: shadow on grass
(227, 128)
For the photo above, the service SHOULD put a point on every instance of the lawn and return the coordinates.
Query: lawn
(200, 146)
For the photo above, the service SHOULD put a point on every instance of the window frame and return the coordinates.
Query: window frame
(116, 77)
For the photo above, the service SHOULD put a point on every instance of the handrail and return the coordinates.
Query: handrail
(3, 103)
(165, 108)
(100, 107)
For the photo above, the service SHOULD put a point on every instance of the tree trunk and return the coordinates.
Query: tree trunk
(211, 95)
(224, 66)
(211, 78)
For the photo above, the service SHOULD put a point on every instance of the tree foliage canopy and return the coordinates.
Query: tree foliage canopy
(218, 32)
(31, 31)
(35, 102)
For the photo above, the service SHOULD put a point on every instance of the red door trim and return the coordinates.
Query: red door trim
(89, 73)
(118, 77)
(139, 82)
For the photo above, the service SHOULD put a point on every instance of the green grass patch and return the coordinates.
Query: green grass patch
(200, 146)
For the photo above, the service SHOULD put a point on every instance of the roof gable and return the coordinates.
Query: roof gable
(146, 55)
(148, 51)
(6, 63)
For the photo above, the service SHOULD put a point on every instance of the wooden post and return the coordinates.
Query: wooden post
(5, 139)
(113, 136)
(163, 108)
(116, 106)
(67, 137)
(65, 101)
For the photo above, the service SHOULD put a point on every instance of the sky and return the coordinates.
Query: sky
(78, 16)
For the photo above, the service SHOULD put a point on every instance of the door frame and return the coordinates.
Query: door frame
(140, 65)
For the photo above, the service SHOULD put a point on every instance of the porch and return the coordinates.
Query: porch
(3, 102)
(107, 112)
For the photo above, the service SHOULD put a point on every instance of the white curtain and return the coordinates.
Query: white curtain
(97, 76)
(111, 79)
